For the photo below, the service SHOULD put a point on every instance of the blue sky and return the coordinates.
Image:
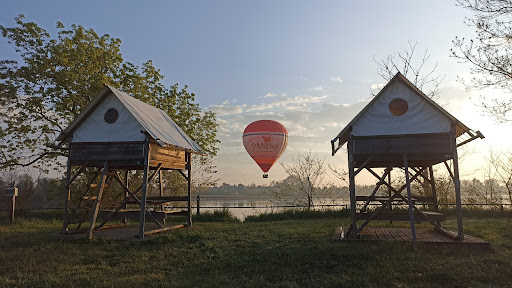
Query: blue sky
(308, 64)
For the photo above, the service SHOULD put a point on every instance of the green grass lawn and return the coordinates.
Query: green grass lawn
(292, 252)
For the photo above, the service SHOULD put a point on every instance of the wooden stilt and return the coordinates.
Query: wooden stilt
(433, 186)
(456, 182)
(126, 195)
(389, 194)
(142, 222)
(98, 198)
(352, 189)
(66, 199)
(160, 184)
(189, 188)
(409, 200)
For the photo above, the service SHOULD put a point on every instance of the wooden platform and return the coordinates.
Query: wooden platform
(423, 236)
(402, 216)
(121, 232)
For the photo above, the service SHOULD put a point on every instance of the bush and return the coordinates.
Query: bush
(291, 214)
(221, 215)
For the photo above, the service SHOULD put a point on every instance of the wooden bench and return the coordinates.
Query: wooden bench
(402, 216)
(381, 199)
(135, 213)
(159, 200)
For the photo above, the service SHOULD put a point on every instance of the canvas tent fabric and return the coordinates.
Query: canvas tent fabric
(134, 118)
(423, 115)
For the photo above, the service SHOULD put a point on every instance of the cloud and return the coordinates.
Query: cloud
(336, 79)
(225, 109)
(270, 94)
(377, 86)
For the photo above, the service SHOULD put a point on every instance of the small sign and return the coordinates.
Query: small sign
(11, 191)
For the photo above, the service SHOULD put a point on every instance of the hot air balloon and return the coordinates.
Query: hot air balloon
(265, 141)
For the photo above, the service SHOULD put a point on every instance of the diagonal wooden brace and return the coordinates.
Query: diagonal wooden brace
(380, 183)
(384, 205)
(132, 196)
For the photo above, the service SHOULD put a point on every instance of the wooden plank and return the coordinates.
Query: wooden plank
(421, 144)
(66, 200)
(352, 189)
(456, 182)
(135, 213)
(163, 229)
(361, 198)
(106, 151)
(401, 216)
(433, 186)
(98, 199)
(168, 198)
(189, 188)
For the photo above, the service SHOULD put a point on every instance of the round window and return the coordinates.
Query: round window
(111, 116)
(398, 106)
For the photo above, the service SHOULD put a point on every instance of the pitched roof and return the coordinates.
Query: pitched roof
(343, 136)
(155, 122)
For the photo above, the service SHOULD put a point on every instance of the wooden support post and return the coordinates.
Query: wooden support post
(126, 195)
(433, 186)
(189, 187)
(97, 203)
(160, 184)
(142, 220)
(66, 199)
(456, 182)
(380, 183)
(13, 208)
(389, 194)
(198, 205)
(409, 200)
(352, 189)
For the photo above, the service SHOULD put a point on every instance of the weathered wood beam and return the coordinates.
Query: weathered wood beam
(352, 189)
(409, 201)
(98, 199)
(364, 164)
(433, 186)
(65, 222)
(456, 182)
(380, 183)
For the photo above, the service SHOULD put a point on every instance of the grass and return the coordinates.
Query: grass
(278, 250)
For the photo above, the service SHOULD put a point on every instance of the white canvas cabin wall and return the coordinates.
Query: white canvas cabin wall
(96, 128)
(421, 116)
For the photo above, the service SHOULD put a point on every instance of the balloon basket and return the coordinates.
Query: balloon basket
(265, 175)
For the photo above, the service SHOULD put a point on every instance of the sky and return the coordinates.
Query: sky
(309, 65)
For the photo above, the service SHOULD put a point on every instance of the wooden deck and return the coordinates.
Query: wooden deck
(423, 236)
(121, 232)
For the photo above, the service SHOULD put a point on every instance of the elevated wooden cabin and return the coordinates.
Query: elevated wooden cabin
(402, 128)
(116, 133)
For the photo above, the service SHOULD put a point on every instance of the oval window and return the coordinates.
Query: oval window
(398, 107)
(111, 116)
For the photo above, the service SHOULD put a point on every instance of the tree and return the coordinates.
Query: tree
(412, 68)
(57, 77)
(489, 53)
(305, 181)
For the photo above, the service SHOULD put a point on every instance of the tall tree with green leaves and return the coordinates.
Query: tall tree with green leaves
(58, 76)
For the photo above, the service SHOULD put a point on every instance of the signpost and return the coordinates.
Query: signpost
(12, 192)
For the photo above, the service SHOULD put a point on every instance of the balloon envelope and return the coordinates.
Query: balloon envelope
(265, 141)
